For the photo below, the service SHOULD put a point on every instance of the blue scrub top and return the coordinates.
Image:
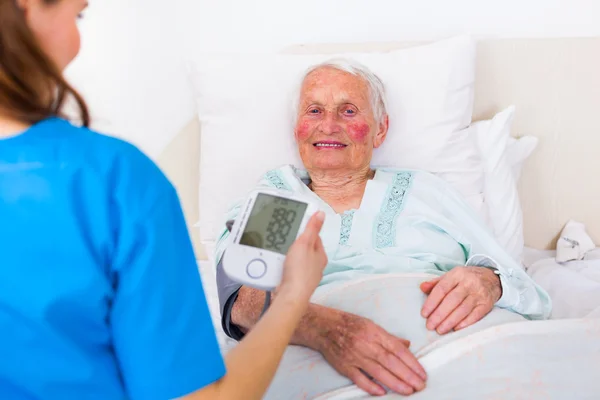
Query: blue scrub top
(100, 294)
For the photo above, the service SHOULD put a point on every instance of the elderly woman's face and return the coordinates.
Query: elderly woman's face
(336, 128)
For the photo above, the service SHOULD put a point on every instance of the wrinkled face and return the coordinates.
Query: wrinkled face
(336, 129)
(54, 25)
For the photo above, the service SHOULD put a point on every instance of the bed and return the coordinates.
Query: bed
(574, 286)
(487, 350)
(555, 87)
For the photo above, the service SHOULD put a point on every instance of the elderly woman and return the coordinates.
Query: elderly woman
(380, 222)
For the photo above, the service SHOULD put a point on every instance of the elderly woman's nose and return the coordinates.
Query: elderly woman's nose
(330, 123)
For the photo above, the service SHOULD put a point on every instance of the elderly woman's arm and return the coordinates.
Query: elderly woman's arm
(349, 343)
(491, 277)
(313, 331)
(241, 308)
(353, 345)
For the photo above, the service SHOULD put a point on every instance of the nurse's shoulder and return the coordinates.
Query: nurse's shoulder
(128, 173)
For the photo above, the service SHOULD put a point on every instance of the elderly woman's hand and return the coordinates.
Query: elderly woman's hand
(358, 349)
(460, 298)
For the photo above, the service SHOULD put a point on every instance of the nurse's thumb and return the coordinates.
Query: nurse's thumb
(313, 227)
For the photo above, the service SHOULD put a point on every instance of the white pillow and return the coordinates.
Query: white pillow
(518, 152)
(502, 159)
(244, 105)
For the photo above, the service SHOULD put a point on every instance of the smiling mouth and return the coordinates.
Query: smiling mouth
(328, 145)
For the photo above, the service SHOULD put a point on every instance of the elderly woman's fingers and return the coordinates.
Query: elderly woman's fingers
(400, 348)
(411, 361)
(476, 315)
(366, 384)
(458, 315)
(388, 378)
(394, 363)
(445, 285)
(450, 303)
(426, 287)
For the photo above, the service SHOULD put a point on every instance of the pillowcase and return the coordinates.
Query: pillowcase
(244, 105)
(518, 152)
(502, 160)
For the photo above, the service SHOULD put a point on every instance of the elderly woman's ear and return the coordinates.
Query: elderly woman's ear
(381, 132)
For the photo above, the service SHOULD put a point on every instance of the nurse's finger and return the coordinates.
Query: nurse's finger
(318, 246)
(476, 315)
(457, 316)
(443, 287)
(450, 303)
(313, 227)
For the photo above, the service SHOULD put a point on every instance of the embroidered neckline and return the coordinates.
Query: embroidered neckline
(385, 229)
(276, 179)
(346, 226)
(385, 223)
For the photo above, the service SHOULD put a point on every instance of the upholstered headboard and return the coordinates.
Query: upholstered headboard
(555, 86)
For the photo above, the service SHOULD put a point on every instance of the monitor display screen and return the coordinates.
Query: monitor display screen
(273, 223)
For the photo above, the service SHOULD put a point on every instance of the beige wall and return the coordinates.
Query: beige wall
(180, 161)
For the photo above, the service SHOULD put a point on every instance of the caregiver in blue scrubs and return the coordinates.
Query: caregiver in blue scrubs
(100, 296)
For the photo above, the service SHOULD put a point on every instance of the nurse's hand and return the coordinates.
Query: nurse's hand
(265, 344)
(305, 262)
(460, 298)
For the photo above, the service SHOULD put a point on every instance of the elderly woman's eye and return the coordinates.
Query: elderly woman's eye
(349, 111)
(313, 111)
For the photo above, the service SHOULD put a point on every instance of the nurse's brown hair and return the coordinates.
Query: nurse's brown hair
(32, 87)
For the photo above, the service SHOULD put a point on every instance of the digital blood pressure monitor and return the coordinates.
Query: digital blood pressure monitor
(268, 223)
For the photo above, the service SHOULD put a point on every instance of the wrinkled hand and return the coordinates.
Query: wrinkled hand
(357, 348)
(460, 298)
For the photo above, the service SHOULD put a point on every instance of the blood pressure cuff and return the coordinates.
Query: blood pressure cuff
(228, 292)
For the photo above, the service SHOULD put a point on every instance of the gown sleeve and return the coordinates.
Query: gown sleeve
(520, 293)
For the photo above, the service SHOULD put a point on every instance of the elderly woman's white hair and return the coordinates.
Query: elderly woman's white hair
(375, 85)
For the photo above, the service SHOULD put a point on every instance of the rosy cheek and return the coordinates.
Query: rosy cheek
(358, 131)
(303, 130)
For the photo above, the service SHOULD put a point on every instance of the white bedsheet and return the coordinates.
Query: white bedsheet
(540, 360)
(573, 286)
(503, 354)
(531, 255)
